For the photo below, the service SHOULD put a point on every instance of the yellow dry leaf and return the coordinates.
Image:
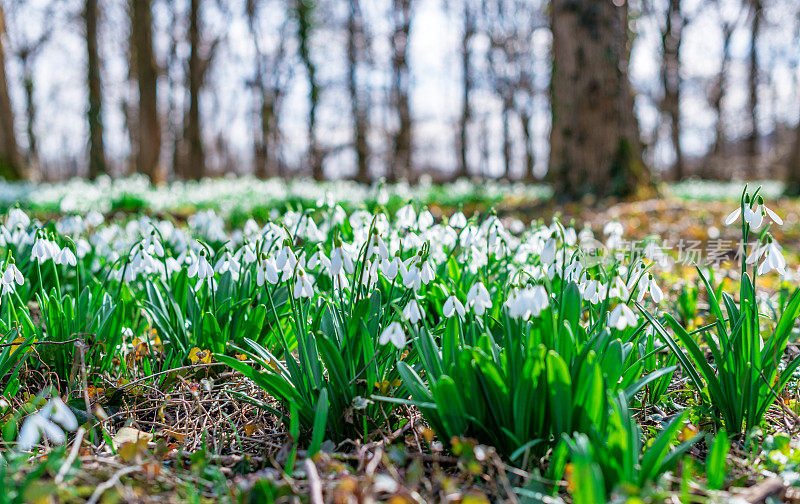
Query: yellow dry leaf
(129, 435)
(196, 355)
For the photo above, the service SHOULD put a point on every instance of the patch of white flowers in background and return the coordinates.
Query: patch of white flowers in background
(242, 194)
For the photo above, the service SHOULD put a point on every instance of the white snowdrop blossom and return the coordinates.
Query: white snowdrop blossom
(773, 258)
(393, 334)
(527, 302)
(303, 285)
(753, 218)
(648, 286)
(389, 268)
(406, 216)
(458, 220)
(200, 267)
(42, 250)
(412, 312)
(452, 306)
(478, 298)
(12, 277)
(44, 424)
(66, 257)
(622, 316)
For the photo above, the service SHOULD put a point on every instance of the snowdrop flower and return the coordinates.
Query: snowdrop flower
(36, 426)
(458, 220)
(17, 217)
(370, 274)
(478, 298)
(172, 265)
(548, 255)
(12, 275)
(41, 250)
(303, 285)
(425, 219)
(377, 247)
(286, 259)
(341, 259)
(228, 263)
(152, 244)
(406, 216)
(595, 291)
(426, 273)
(622, 316)
(66, 257)
(246, 254)
(266, 271)
(60, 413)
(648, 285)
(412, 312)
(43, 423)
(412, 275)
(753, 218)
(613, 228)
(618, 289)
(773, 258)
(452, 306)
(394, 333)
(201, 268)
(390, 268)
(527, 302)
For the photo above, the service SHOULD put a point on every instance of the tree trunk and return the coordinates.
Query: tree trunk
(305, 23)
(753, 80)
(355, 48)
(595, 145)
(195, 161)
(149, 125)
(530, 158)
(466, 81)
(97, 154)
(793, 170)
(32, 155)
(672, 82)
(720, 141)
(400, 164)
(507, 103)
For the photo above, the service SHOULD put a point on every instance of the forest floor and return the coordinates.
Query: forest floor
(201, 438)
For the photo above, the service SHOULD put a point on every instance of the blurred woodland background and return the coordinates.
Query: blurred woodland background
(598, 97)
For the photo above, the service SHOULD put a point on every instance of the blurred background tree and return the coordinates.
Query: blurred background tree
(600, 97)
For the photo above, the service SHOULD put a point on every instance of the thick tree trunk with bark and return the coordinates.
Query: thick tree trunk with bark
(530, 157)
(195, 155)
(305, 23)
(595, 145)
(32, 155)
(507, 104)
(466, 86)
(355, 47)
(672, 82)
(402, 143)
(720, 140)
(146, 69)
(10, 161)
(793, 170)
(753, 78)
(97, 153)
